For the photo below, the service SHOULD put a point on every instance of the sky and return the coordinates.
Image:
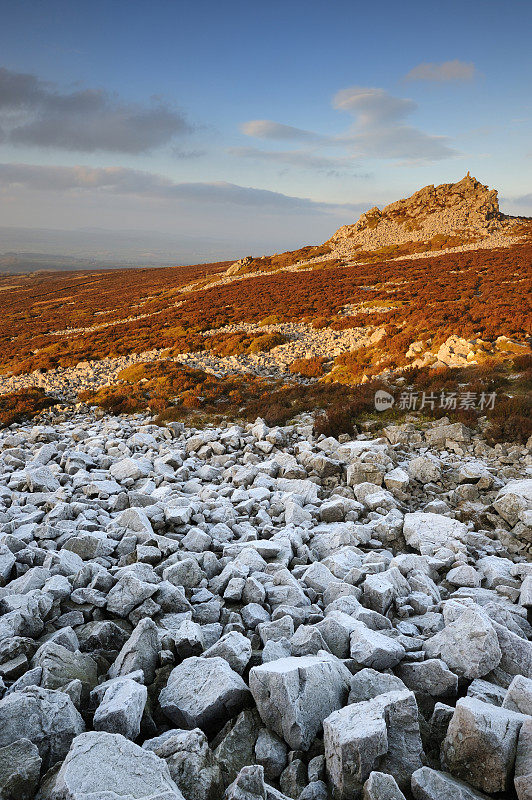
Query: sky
(255, 127)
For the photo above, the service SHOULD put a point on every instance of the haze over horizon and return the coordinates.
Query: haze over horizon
(215, 130)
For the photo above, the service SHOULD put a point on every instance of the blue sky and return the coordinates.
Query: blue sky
(264, 126)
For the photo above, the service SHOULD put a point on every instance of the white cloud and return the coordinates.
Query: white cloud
(379, 130)
(442, 72)
(301, 159)
(372, 106)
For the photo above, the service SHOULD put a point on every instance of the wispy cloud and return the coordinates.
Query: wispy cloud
(301, 159)
(442, 72)
(37, 113)
(267, 129)
(123, 181)
(524, 200)
(372, 106)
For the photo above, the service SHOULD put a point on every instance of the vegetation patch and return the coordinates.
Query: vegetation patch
(23, 404)
(174, 392)
(280, 261)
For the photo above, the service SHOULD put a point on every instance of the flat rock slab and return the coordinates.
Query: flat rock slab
(106, 765)
(428, 532)
(430, 784)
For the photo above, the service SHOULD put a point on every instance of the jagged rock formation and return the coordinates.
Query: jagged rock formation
(462, 212)
(453, 216)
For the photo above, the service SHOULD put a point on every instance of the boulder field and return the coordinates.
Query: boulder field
(254, 613)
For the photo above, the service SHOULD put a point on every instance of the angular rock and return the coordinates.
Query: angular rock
(469, 646)
(128, 593)
(248, 784)
(428, 532)
(271, 752)
(523, 762)
(60, 666)
(516, 652)
(139, 652)
(378, 735)
(46, 717)
(519, 695)
(20, 768)
(294, 695)
(121, 708)
(430, 784)
(481, 743)
(514, 498)
(372, 649)
(234, 647)
(380, 786)
(235, 744)
(190, 761)
(368, 683)
(430, 677)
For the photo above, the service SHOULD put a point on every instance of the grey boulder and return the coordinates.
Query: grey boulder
(523, 762)
(121, 708)
(469, 645)
(46, 717)
(234, 647)
(203, 693)
(430, 784)
(191, 763)
(480, 744)
(20, 768)
(380, 786)
(377, 735)
(429, 677)
(139, 652)
(373, 649)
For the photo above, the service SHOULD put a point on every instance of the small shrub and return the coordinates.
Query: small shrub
(266, 342)
(308, 367)
(511, 420)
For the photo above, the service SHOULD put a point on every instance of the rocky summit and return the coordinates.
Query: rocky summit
(259, 613)
(464, 212)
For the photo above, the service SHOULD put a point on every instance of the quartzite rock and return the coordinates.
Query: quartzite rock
(203, 693)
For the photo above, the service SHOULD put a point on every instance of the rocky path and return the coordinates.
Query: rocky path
(256, 614)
